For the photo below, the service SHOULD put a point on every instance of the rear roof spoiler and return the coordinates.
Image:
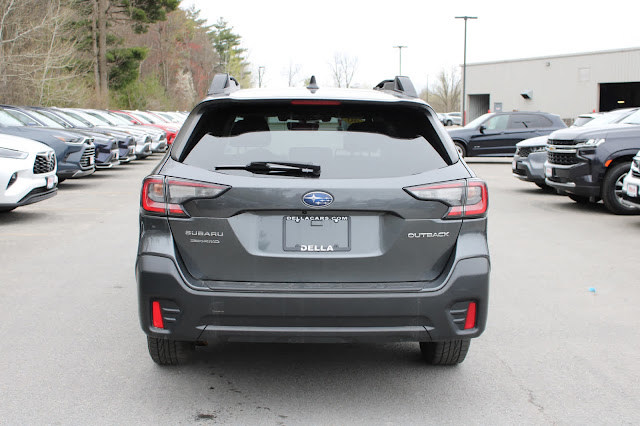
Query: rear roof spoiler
(223, 84)
(399, 84)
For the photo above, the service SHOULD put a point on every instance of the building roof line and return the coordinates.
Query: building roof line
(570, 55)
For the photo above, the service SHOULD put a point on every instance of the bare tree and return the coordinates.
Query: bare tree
(343, 69)
(447, 92)
(37, 54)
(292, 73)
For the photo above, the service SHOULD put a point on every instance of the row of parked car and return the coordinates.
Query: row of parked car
(450, 118)
(596, 159)
(40, 147)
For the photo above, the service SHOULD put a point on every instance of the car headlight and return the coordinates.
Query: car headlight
(538, 148)
(13, 153)
(594, 142)
(72, 141)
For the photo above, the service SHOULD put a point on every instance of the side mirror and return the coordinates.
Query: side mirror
(482, 128)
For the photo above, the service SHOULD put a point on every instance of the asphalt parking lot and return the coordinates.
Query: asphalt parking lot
(561, 344)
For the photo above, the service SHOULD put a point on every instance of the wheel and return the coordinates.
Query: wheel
(612, 189)
(461, 150)
(169, 352)
(580, 199)
(449, 352)
(448, 123)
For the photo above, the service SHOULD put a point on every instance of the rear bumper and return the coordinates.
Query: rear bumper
(194, 315)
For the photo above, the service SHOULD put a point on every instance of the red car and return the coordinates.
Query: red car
(140, 117)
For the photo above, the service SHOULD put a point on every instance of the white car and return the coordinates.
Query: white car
(631, 183)
(451, 118)
(27, 172)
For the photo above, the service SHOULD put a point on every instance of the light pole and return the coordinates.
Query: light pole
(427, 88)
(464, 68)
(260, 74)
(400, 52)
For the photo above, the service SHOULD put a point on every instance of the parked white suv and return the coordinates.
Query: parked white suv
(451, 118)
(631, 183)
(27, 172)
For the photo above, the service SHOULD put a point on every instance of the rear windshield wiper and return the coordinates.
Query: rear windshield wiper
(277, 168)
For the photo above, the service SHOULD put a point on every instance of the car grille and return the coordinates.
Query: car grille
(562, 158)
(561, 142)
(523, 152)
(86, 155)
(44, 164)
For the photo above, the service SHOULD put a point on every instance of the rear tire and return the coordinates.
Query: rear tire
(612, 190)
(461, 149)
(449, 352)
(169, 352)
(580, 199)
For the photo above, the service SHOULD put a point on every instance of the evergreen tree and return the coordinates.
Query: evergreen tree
(232, 61)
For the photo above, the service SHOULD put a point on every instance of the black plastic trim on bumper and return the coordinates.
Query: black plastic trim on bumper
(310, 317)
(36, 195)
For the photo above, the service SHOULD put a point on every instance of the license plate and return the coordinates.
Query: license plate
(91, 161)
(632, 190)
(50, 182)
(317, 233)
(548, 172)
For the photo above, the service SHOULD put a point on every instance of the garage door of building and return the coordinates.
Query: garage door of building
(619, 95)
(478, 105)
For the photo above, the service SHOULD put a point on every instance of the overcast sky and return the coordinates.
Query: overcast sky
(279, 32)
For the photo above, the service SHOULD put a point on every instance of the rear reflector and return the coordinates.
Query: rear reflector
(470, 321)
(167, 196)
(157, 315)
(465, 198)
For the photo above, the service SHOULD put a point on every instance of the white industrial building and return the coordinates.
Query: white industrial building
(566, 85)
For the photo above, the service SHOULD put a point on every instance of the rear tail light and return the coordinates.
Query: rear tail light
(465, 198)
(167, 195)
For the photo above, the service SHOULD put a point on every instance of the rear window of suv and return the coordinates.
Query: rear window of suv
(346, 141)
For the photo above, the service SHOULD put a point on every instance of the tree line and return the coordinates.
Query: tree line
(146, 54)
(137, 54)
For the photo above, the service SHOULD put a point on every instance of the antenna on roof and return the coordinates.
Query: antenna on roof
(312, 84)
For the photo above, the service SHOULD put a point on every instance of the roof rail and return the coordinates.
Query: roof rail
(223, 84)
(400, 84)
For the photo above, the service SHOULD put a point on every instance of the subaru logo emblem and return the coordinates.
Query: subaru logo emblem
(317, 199)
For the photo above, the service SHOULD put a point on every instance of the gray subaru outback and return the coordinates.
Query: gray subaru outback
(313, 215)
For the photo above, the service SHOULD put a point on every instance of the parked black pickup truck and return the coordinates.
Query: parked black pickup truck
(590, 163)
